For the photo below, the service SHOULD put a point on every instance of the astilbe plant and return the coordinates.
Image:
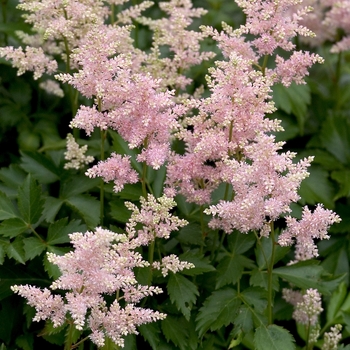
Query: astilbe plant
(231, 169)
(102, 263)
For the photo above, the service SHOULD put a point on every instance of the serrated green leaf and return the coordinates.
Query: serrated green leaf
(175, 330)
(317, 188)
(244, 319)
(263, 252)
(78, 185)
(41, 167)
(293, 99)
(51, 208)
(33, 247)
(239, 243)
(335, 137)
(219, 309)
(88, 207)
(308, 274)
(59, 230)
(273, 337)
(12, 227)
(30, 203)
(2, 252)
(255, 297)
(190, 234)
(25, 342)
(183, 293)
(7, 209)
(150, 332)
(343, 179)
(336, 301)
(118, 210)
(201, 264)
(15, 251)
(259, 278)
(13, 176)
(230, 269)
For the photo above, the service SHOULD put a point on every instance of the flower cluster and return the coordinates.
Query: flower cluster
(101, 263)
(307, 307)
(229, 140)
(313, 225)
(76, 155)
(330, 21)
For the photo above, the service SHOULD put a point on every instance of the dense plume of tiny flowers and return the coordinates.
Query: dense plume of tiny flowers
(302, 233)
(171, 263)
(307, 307)
(155, 217)
(75, 155)
(171, 31)
(326, 20)
(117, 169)
(332, 338)
(31, 58)
(52, 87)
(101, 263)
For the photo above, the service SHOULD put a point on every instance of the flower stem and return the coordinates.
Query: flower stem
(103, 134)
(269, 274)
(69, 338)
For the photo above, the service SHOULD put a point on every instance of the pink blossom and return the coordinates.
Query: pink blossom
(308, 306)
(29, 59)
(296, 67)
(47, 306)
(313, 225)
(117, 169)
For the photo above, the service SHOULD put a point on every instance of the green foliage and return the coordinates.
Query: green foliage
(221, 303)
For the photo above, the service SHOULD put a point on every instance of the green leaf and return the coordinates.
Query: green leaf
(335, 303)
(343, 179)
(2, 252)
(273, 337)
(255, 297)
(12, 227)
(263, 252)
(239, 243)
(259, 278)
(41, 167)
(13, 177)
(308, 274)
(230, 269)
(317, 188)
(88, 207)
(201, 264)
(7, 209)
(183, 293)
(335, 137)
(78, 185)
(51, 208)
(219, 309)
(33, 247)
(118, 210)
(190, 234)
(175, 330)
(59, 230)
(15, 250)
(30, 203)
(293, 99)
(244, 320)
(150, 332)
(25, 341)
